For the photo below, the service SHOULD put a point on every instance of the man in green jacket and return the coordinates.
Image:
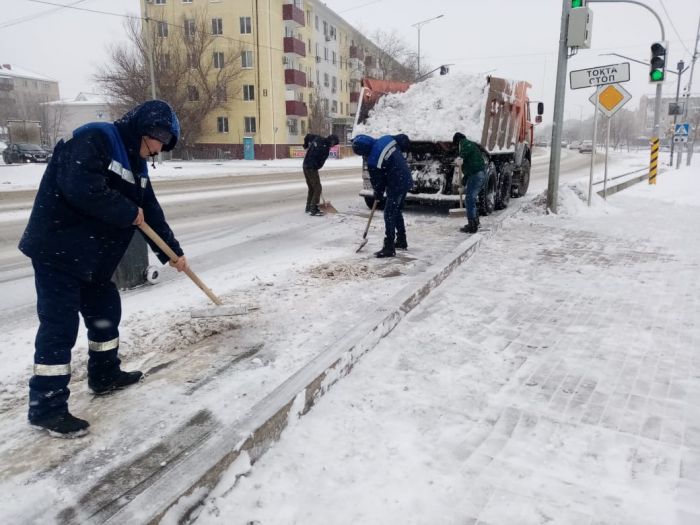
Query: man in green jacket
(473, 177)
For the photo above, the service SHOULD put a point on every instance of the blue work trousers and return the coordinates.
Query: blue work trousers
(393, 216)
(61, 297)
(474, 183)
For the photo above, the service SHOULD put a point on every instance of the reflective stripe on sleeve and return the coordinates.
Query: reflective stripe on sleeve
(386, 152)
(52, 370)
(120, 170)
(105, 346)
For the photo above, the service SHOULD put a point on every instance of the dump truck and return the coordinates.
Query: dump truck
(492, 112)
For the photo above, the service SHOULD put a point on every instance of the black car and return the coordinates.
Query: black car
(23, 152)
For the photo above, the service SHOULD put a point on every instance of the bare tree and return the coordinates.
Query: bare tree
(319, 117)
(195, 71)
(396, 61)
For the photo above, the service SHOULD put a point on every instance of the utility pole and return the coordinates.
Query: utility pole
(418, 25)
(691, 143)
(681, 65)
(558, 118)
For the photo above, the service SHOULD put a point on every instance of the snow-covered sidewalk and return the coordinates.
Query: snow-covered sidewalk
(554, 378)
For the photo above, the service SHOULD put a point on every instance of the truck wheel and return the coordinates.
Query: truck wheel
(503, 194)
(152, 275)
(487, 197)
(523, 179)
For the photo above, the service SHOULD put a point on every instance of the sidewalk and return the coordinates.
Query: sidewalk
(554, 378)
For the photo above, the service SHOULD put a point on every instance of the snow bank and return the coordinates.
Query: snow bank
(432, 110)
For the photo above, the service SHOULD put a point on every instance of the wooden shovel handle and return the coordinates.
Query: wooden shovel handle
(371, 214)
(148, 231)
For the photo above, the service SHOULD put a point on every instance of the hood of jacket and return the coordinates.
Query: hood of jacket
(147, 117)
(362, 145)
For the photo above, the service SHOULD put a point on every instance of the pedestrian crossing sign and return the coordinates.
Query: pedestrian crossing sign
(682, 130)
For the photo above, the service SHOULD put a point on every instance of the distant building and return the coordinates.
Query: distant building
(22, 92)
(63, 116)
(646, 114)
(299, 59)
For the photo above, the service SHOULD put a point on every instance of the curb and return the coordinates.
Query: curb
(197, 456)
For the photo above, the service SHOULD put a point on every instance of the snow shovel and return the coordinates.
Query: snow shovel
(369, 221)
(220, 310)
(326, 206)
(458, 213)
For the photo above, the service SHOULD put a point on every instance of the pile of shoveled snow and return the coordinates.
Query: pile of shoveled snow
(432, 110)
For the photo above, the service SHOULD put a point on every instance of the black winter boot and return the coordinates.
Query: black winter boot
(62, 425)
(388, 249)
(401, 242)
(308, 209)
(472, 226)
(122, 380)
(315, 211)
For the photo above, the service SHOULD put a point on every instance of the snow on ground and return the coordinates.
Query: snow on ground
(554, 378)
(28, 176)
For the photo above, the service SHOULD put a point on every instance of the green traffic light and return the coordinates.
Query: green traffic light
(576, 3)
(657, 75)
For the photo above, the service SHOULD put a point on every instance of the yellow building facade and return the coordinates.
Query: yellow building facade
(294, 55)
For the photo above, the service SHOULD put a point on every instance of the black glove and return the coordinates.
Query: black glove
(378, 196)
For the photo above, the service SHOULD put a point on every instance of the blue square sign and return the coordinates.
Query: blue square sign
(682, 130)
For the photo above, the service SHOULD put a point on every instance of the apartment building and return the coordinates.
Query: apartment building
(301, 70)
(22, 93)
(646, 114)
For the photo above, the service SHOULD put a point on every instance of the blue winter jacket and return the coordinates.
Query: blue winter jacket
(89, 196)
(387, 167)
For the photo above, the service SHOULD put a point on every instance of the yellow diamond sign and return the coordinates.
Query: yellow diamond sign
(610, 98)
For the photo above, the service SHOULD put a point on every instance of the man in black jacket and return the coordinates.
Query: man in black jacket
(93, 195)
(317, 150)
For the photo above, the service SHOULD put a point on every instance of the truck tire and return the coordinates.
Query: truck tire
(523, 178)
(487, 197)
(503, 193)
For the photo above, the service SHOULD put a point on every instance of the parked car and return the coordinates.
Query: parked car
(575, 144)
(24, 152)
(586, 146)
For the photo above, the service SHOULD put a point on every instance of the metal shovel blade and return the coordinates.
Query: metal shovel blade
(221, 311)
(362, 244)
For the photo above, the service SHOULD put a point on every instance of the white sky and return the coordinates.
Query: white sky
(517, 39)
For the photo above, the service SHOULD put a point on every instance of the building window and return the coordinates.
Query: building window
(162, 29)
(308, 18)
(218, 59)
(221, 95)
(334, 106)
(325, 54)
(325, 28)
(192, 60)
(303, 127)
(246, 25)
(186, 1)
(217, 26)
(316, 22)
(192, 93)
(248, 92)
(165, 61)
(189, 28)
(325, 79)
(159, 2)
(333, 57)
(341, 108)
(249, 124)
(293, 126)
(247, 59)
(222, 124)
(334, 85)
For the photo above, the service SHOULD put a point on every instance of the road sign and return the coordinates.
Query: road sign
(600, 76)
(680, 134)
(610, 99)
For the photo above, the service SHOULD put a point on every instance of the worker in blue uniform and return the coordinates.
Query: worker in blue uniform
(388, 171)
(93, 195)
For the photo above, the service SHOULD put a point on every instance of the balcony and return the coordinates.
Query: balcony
(292, 13)
(294, 46)
(357, 52)
(354, 97)
(296, 108)
(294, 77)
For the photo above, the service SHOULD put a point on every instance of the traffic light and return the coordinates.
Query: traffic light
(577, 3)
(657, 62)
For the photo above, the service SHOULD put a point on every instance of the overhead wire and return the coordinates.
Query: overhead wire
(674, 27)
(29, 18)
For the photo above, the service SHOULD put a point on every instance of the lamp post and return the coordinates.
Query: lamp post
(681, 69)
(418, 25)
